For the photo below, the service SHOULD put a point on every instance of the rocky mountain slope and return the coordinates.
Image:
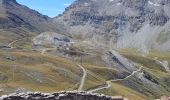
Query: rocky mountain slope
(18, 21)
(138, 24)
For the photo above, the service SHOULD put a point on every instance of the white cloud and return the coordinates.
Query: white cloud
(66, 4)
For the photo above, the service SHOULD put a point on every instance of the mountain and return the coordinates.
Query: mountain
(138, 24)
(80, 50)
(18, 21)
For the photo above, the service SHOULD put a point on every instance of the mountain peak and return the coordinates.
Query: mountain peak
(6, 1)
(118, 19)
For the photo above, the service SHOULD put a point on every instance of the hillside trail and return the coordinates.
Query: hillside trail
(116, 80)
(11, 43)
(164, 64)
(43, 51)
(82, 82)
(83, 77)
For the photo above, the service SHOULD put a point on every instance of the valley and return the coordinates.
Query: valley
(86, 77)
(109, 47)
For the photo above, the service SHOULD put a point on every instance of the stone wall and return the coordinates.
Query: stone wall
(57, 96)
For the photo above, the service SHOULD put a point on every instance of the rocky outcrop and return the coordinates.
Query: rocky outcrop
(51, 38)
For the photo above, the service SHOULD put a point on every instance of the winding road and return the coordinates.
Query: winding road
(101, 88)
(81, 67)
(164, 64)
(116, 80)
(10, 44)
(82, 82)
(83, 77)
(47, 49)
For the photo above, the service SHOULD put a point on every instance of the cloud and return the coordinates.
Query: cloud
(66, 4)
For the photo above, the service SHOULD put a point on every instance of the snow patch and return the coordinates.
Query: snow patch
(118, 4)
(86, 4)
(154, 4)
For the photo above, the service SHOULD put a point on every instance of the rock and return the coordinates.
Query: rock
(21, 90)
(10, 58)
(3, 77)
(125, 19)
(57, 96)
(1, 90)
(53, 39)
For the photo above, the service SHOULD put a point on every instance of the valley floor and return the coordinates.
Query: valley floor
(24, 69)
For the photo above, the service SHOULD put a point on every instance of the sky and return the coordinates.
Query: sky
(47, 7)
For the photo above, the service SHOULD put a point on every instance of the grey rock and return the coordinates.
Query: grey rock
(126, 20)
(52, 38)
(3, 77)
(56, 96)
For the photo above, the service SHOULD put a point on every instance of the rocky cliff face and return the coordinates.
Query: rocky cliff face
(127, 23)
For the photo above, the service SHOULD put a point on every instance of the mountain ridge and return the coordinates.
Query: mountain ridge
(14, 9)
(18, 21)
(120, 22)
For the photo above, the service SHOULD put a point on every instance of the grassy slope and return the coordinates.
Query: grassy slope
(60, 73)
(7, 36)
(55, 73)
(153, 69)
(119, 89)
(136, 90)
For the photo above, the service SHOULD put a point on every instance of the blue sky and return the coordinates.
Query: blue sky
(47, 7)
